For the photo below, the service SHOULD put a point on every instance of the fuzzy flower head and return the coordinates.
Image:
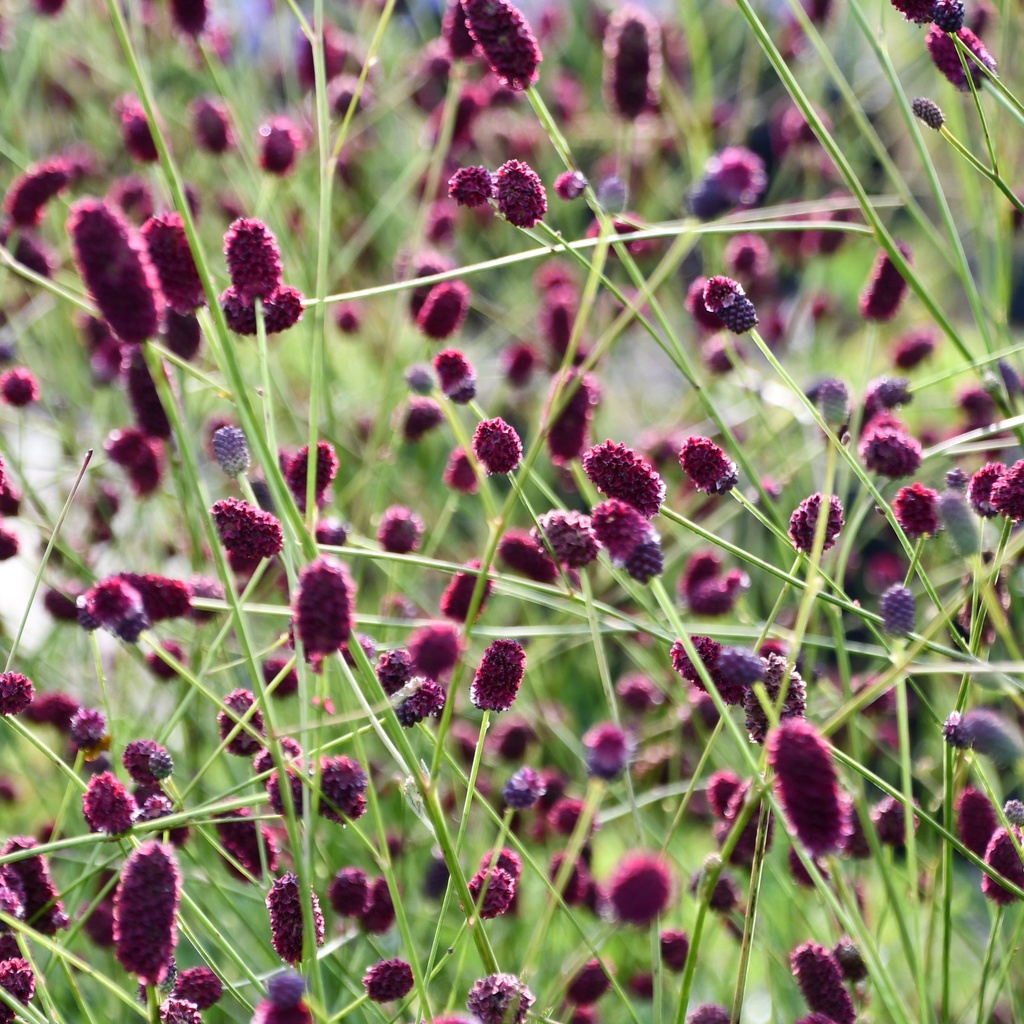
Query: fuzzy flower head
(620, 529)
(324, 606)
(803, 523)
(632, 62)
(979, 488)
(886, 287)
(570, 185)
(916, 510)
(236, 707)
(145, 909)
(498, 888)
(640, 888)
(342, 789)
(619, 472)
(497, 446)
(107, 806)
(795, 705)
(520, 194)
(117, 606)
(820, 979)
(170, 255)
(280, 145)
(388, 980)
(499, 676)
(570, 535)
(608, 751)
(455, 375)
(471, 186)
(724, 298)
(707, 466)
(898, 611)
(16, 693)
(505, 39)
(284, 902)
(735, 177)
(248, 533)
(523, 789)
(1007, 493)
(211, 126)
(1001, 855)
(946, 57)
(253, 258)
(976, 820)
(231, 450)
(443, 310)
(26, 199)
(887, 448)
(500, 999)
(297, 473)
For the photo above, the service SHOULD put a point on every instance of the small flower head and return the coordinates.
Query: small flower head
(117, 606)
(135, 130)
(324, 606)
(570, 535)
(707, 650)
(88, 731)
(886, 287)
(570, 185)
(497, 446)
(620, 529)
(1013, 810)
(471, 186)
(706, 589)
(646, 560)
(806, 782)
(832, 397)
(946, 57)
(107, 805)
(675, 947)
(979, 489)
(211, 126)
(1007, 494)
(342, 789)
(505, 39)
(608, 751)
(189, 16)
(26, 199)
(917, 11)
(425, 701)
(735, 177)
(795, 705)
(961, 527)
(820, 979)
(443, 310)
(888, 449)
(500, 999)
(434, 650)
(640, 888)
(297, 473)
(707, 466)
(231, 450)
(948, 15)
(138, 758)
(632, 62)
(619, 472)
(236, 707)
(253, 258)
(889, 817)
(18, 980)
(282, 311)
(455, 375)
(16, 693)
(170, 255)
(388, 980)
(913, 348)
(18, 387)
(520, 194)
(976, 820)
(280, 146)
(1001, 855)
(498, 889)
(248, 533)
(898, 611)
(521, 553)
(145, 910)
(917, 511)
(458, 595)
(804, 521)
(284, 902)
(523, 789)
(400, 530)
(497, 680)
(349, 892)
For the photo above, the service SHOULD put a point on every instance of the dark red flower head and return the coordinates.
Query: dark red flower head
(567, 436)
(189, 16)
(139, 759)
(707, 649)
(675, 947)
(455, 32)
(248, 533)
(280, 146)
(497, 446)
(434, 650)
(521, 197)
(505, 39)
(640, 888)
(117, 606)
(1007, 494)
(1001, 855)
(29, 193)
(388, 980)
(521, 553)
(471, 186)
(587, 985)
(619, 472)
(349, 892)
(620, 529)
(211, 127)
(236, 707)
(116, 270)
(135, 131)
(500, 891)
(820, 979)
(169, 253)
(807, 785)
(286, 925)
(18, 980)
(917, 11)
(324, 606)
(145, 908)
(804, 521)
(457, 596)
(400, 530)
(608, 750)
(570, 535)
(917, 510)
(632, 62)
(425, 701)
(16, 693)
(499, 676)
(523, 789)
(570, 185)
(107, 805)
(240, 840)
(18, 387)
(706, 589)
(885, 290)
(443, 310)
(946, 57)
(297, 472)
(342, 789)
(887, 448)
(897, 608)
(500, 999)
(707, 466)
(734, 177)
(282, 311)
(976, 820)
(455, 375)
(253, 258)
(199, 985)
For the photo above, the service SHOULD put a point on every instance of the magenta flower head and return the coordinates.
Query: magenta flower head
(211, 126)
(342, 789)
(632, 62)
(297, 472)
(706, 589)
(18, 981)
(820, 979)
(707, 466)
(917, 511)
(807, 785)
(388, 980)
(16, 693)
(135, 131)
(117, 606)
(497, 446)
(282, 311)
(640, 888)
(500, 999)
(179, 1011)
(458, 595)
(946, 57)
(471, 186)
(18, 387)
(280, 146)
(253, 258)
(568, 433)
(570, 185)
(734, 177)
(497, 680)
(619, 472)
(116, 270)
(400, 530)
(443, 310)
(608, 750)
(455, 375)
(425, 701)
(1001, 855)
(324, 606)
(505, 39)
(714, 1013)
(886, 288)
(26, 199)
(30, 876)
(804, 521)
(521, 197)
(917, 11)
(107, 805)
(145, 905)
(887, 448)
(434, 650)
(169, 253)
(898, 611)
(620, 530)
(248, 533)
(570, 535)
(1007, 494)
(286, 925)
(979, 490)
(236, 706)
(500, 891)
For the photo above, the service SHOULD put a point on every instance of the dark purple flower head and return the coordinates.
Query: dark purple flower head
(884, 393)
(88, 731)
(342, 789)
(832, 397)
(523, 789)
(976, 820)
(280, 146)
(708, 650)
(961, 527)
(1013, 810)
(297, 472)
(135, 131)
(739, 666)
(443, 310)
(139, 455)
(570, 535)
(500, 891)
(640, 888)
(179, 1011)
(211, 127)
(505, 39)
(138, 760)
(987, 732)
(886, 288)
(820, 979)
(706, 590)
(570, 185)
(423, 415)
(946, 57)
(471, 186)
(889, 817)
(18, 387)
(458, 595)
(500, 999)
(567, 436)
(170, 255)
(248, 533)
(734, 177)
(804, 521)
(497, 680)
(521, 553)
(282, 311)
(240, 840)
(116, 270)
(806, 783)
(707, 466)
(675, 947)
(520, 194)
(324, 606)
(117, 606)
(286, 925)
(887, 448)
(608, 750)
(400, 530)
(948, 15)
(145, 907)
(388, 980)
(587, 985)
(898, 611)
(1001, 855)
(619, 472)
(348, 892)
(26, 199)
(632, 62)
(236, 705)
(16, 693)
(18, 980)
(150, 415)
(620, 529)
(379, 914)
(795, 705)
(1007, 492)
(107, 805)
(253, 258)
(394, 669)
(497, 446)
(455, 32)
(30, 877)
(189, 16)
(455, 375)
(434, 650)
(917, 11)
(162, 597)
(916, 510)
(199, 985)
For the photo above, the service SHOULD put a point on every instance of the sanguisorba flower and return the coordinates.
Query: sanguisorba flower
(18, 980)
(443, 310)
(284, 902)
(297, 471)
(236, 706)
(43, 910)
(804, 521)
(807, 785)
(280, 146)
(946, 57)
(324, 606)
(499, 676)
(619, 472)
(726, 299)
(253, 258)
(710, 470)
(640, 887)
(342, 789)
(820, 979)
(145, 905)
(887, 448)
(500, 999)
(1001, 855)
(107, 806)
(976, 820)
(211, 126)
(886, 287)
(26, 199)
(632, 62)
(169, 253)
(16, 693)
(471, 186)
(917, 510)
(505, 39)
(248, 534)
(497, 446)
(116, 269)
(189, 16)
(520, 193)
(1007, 494)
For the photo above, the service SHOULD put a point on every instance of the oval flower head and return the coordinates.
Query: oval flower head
(145, 906)
(505, 39)
(324, 606)
(499, 676)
